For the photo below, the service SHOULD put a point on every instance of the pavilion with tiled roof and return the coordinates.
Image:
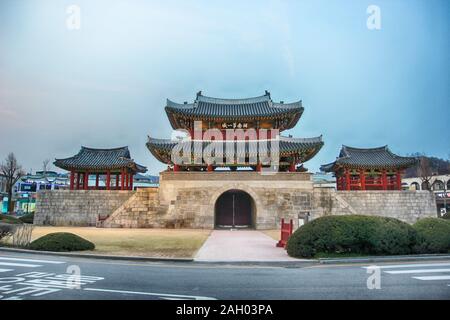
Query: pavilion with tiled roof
(368, 169)
(224, 115)
(113, 163)
(256, 112)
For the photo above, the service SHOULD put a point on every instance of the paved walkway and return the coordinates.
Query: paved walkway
(241, 245)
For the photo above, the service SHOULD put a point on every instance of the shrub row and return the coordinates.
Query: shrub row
(61, 241)
(358, 234)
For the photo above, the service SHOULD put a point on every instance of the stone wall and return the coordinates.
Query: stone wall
(141, 210)
(408, 206)
(77, 207)
(191, 196)
(187, 200)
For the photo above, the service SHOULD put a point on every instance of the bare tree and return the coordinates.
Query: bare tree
(424, 171)
(12, 172)
(45, 166)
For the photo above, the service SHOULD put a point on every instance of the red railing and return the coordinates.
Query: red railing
(286, 232)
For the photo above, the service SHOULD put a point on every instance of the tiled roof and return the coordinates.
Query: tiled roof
(368, 158)
(208, 108)
(100, 159)
(304, 148)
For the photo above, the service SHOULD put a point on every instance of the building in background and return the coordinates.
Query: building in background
(324, 180)
(3, 194)
(438, 184)
(26, 188)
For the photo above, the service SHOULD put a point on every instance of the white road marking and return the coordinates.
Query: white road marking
(19, 265)
(418, 265)
(161, 295)
(32, 260)
(6, 270)
(417, 271)
(426, 278)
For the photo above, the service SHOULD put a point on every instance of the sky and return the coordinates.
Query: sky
(106, 84)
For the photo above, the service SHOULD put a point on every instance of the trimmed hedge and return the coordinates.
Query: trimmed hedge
(9, 219)
(433, 235)
(27, 218)
(352, 234)
(61, 241)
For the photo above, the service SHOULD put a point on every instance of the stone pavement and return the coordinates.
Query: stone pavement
(240, 245)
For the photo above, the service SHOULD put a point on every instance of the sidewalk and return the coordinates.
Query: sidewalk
(241, 245)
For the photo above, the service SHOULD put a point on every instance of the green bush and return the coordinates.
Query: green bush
(61, 241)
(27, 218)
(353, 234)
(433, 235)
(9, 219)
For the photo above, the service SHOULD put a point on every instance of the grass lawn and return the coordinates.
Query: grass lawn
(180, 243)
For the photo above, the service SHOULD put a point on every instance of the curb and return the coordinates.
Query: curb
(427, 257)
(97, 256)
(292, 264)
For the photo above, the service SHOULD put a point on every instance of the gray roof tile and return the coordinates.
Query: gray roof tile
(371, 158)
(100, 159)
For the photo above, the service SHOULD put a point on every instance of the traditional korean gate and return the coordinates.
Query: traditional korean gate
(234, 209)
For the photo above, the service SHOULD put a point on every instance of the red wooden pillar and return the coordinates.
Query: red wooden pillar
(347, 179)
(96, 181)
(108, 180)
(398, 175)
(72, 179)
(362, 179)
(259, 167)
(127, 181)
(122, 179)
(384, 179)
(78, 180)
(117, 181)
(131, 181)
(176, 168)
(292, 167)
(86, 180)
(210, 168)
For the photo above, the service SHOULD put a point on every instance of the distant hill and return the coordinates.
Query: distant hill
(438, 166)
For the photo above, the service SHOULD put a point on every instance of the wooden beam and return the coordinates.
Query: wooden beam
(347, 180)
(384, 179)
(72, 179)
(131, 181)
(362, 179)
(398, 176)
(108, 180)
(78, 180)
(86, 180)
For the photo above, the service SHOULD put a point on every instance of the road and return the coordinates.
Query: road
(31, 276)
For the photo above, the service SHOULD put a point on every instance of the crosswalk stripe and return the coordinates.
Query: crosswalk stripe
(418, 265)
(417, 271)
(5, 270)
(31, 260)
(19, 265)
(426, 278)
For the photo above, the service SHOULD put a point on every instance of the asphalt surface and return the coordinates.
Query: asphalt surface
(31, 276)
